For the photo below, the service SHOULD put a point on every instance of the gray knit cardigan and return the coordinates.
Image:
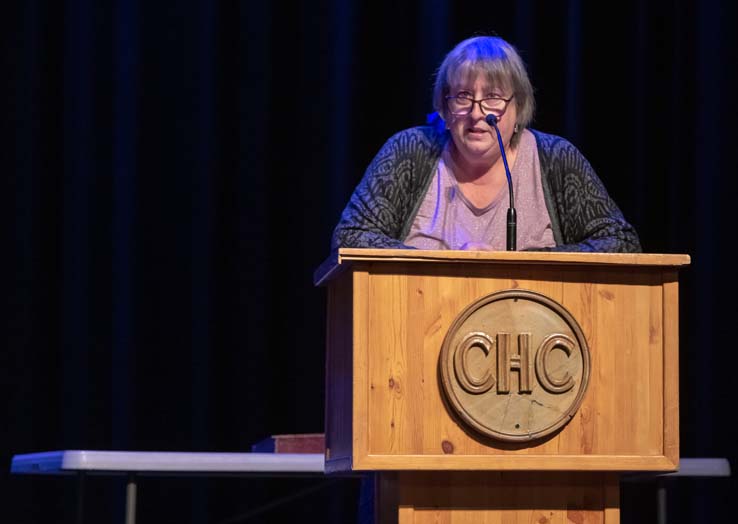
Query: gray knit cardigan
(384, 204)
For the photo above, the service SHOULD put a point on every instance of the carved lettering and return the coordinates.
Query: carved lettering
(461, 363)
(507, 362)
(514, 365)
(503, 358)
(519, 362)
(523, 362)
(545, 376)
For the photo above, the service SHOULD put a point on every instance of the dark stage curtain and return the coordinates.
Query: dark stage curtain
(172, 171)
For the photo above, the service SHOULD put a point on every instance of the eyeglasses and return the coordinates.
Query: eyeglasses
(464, 104)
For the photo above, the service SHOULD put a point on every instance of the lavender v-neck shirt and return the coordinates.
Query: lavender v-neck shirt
(446, 219)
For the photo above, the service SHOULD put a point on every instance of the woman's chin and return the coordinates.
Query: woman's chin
(479, 151)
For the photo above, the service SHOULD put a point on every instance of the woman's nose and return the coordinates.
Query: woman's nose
(477, 113)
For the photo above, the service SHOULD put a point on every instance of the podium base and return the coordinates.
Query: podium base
(479, 497)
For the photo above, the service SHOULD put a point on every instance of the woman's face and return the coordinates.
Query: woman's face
(474, 139)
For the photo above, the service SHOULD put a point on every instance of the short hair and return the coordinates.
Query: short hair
(497, 61)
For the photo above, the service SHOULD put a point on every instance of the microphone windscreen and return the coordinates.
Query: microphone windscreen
(491, 119)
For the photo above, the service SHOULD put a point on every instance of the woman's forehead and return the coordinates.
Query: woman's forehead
(480, 83)
(472, 75)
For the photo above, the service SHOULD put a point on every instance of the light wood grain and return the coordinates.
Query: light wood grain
(406, 396)
(389, 312)
(516, 257)
(402, 311)
(506, 498)
(519, 462)
(360, 376)
(344, 258)
(671, 367)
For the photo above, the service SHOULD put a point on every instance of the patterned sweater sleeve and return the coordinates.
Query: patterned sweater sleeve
(589, 219)
(381, 204)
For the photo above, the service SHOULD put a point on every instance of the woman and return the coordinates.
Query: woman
(444, 186)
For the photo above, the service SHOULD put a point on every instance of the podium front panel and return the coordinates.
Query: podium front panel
(386, 405)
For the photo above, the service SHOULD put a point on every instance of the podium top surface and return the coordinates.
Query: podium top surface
(345, 257)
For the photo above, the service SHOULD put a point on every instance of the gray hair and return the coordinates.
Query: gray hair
(495, 60)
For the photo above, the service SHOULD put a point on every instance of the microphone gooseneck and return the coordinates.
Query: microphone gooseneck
(512, 219)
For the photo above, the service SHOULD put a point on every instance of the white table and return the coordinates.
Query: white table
(162, 463)
(167, 463)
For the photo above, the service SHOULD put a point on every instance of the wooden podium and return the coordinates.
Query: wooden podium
(454, 444)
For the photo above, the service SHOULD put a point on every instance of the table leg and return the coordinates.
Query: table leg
(81, 497)
(131, 499)
(661, 502)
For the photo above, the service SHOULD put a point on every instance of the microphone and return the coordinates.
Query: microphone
(512, 218)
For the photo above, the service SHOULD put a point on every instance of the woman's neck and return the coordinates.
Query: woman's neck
(484, 172)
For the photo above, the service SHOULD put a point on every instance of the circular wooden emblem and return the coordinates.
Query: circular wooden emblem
(515, 365)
